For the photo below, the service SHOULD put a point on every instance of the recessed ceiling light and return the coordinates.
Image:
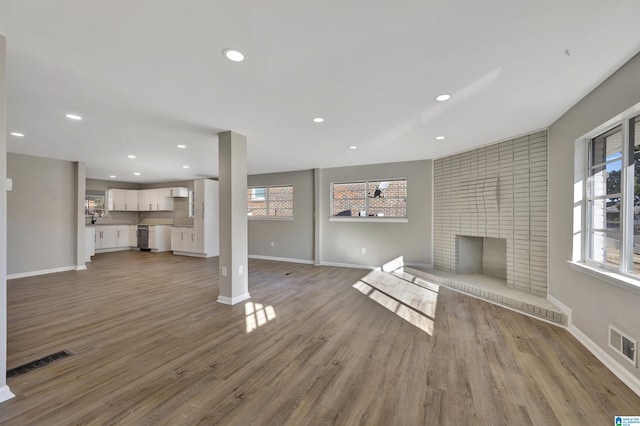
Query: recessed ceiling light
(112, 176)
(17, 134)
(136, 173)
(443, 97)
(184, 166)
(181, 146)
(318, 120)
(353, 147)
(439, 138)
(233, 55)
(131, 156)
(73, 117)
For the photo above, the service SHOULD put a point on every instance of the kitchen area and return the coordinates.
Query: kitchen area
(181, 217)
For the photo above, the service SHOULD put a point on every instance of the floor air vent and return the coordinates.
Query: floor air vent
(623, 344)
(33, 365)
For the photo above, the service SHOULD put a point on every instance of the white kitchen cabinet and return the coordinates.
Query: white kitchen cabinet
(205, 218)
(122, 199)
(106, 237)
(164, 199)
(148, 200)
(111, 237)
(133, 236)
(178, 192)
(123, 236)
(89, 243)
(115, 199)
(131, 200)
(155, 200)
(182, 239)
(160, 237)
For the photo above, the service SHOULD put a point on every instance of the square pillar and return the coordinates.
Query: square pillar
(234, 244)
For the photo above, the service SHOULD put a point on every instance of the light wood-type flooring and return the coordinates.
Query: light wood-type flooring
(152, 347)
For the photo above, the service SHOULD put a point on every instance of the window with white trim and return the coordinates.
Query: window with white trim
(374, 198)
(270, 201)
(612, 211)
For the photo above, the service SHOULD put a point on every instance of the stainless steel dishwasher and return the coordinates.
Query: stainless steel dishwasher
(143, 237)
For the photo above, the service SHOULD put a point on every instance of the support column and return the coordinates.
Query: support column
(234, 244)
(81, 184)
(317, 221)
(5, 393)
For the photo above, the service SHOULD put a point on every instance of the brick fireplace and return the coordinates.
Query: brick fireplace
(491, 207)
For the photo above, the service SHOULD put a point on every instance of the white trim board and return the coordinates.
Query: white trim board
(348, 265)
(564, 308)
(281, 259)
(233, 300)
(41, 272)
(614, 366)
(5, 393)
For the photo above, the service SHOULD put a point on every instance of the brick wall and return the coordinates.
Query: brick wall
(499, 191)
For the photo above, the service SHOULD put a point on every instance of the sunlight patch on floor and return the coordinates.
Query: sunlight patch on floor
(257, 315)
(405, 312)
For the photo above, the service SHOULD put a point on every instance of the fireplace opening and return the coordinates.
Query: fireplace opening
(481, 255)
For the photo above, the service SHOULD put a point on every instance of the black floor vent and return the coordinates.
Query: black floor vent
(33, 365)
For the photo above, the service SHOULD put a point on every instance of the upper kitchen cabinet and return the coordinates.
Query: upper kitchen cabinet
(122, 200)
(178, 192)
(158, 199)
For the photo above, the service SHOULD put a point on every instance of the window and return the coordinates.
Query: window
(95, 203)
(612, 211)
(270, 201)
(379, 198)
(257, 194)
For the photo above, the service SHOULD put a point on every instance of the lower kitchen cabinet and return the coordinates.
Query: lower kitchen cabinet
(89, 243)
(106, 237)
(182, 240)
(111, 237)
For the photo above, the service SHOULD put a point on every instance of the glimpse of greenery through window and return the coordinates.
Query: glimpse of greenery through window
(613, 207)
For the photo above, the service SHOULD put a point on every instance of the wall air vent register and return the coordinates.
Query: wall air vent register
(624, 345)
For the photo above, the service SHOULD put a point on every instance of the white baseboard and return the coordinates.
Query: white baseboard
(233, 300)
(564, 308)
(5, 393)
(41, 272)
(81, 267)
(109, 250)
(281, 259)
(191, 254)
(614, 366)
(347, 265)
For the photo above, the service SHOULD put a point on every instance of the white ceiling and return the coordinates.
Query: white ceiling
(148, 75)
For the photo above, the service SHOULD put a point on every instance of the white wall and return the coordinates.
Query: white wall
(595, 303)
(293, 239)
(41, 212)
(341, 242)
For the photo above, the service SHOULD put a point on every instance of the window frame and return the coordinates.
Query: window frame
(622, 275)
(266, 188)
(366, 218)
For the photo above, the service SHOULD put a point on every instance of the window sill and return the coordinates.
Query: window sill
(268, 218)
(619, 280)
(379, 219)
